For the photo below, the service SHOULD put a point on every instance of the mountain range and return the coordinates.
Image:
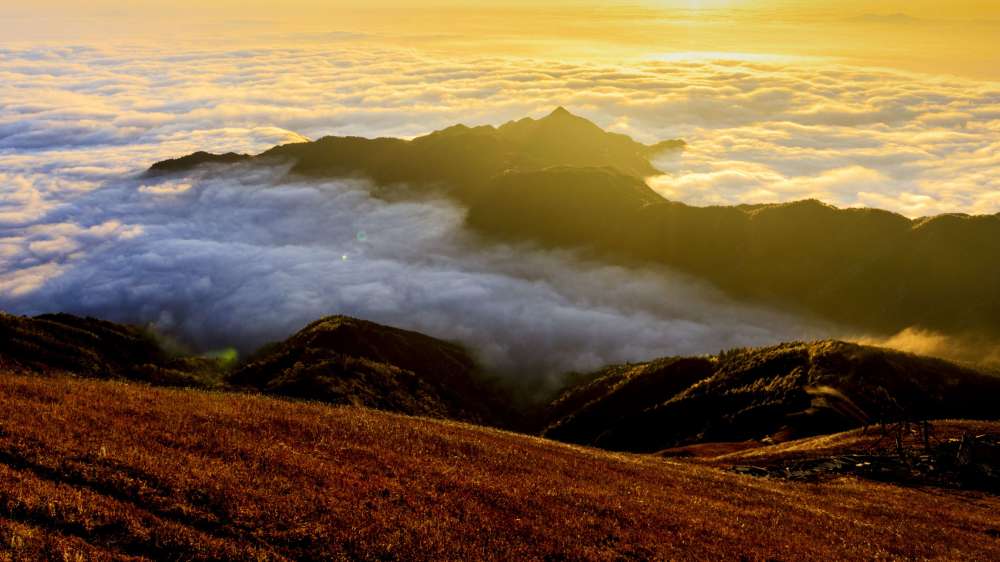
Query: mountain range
(562, 182)
(777, 393)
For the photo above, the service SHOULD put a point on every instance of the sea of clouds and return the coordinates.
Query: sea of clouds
(244, 257)
(241, 256)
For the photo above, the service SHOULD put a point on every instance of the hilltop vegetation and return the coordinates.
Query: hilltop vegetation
(110, 471)
(782, 392)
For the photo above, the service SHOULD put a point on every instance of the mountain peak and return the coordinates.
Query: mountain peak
(560, 112)
(460, 155)
(562, 119)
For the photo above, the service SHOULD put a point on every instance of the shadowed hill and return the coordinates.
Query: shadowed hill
(784, 391)
(93, 470)
(348, 361)
(563, 206)
(787, 390)
(861, 267)
(338, 359)
(88, 347)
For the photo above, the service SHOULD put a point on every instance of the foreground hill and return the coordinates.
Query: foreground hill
(338, 359)
(344, 360)
(109, 471)
(89, 347)
(779, 392)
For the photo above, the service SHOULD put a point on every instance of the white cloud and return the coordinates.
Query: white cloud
(243, 258)
(213, 258)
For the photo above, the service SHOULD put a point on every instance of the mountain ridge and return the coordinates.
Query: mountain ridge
(562, 182)
(459, 156)
(739, 394)
(344, 360)
(774, 393)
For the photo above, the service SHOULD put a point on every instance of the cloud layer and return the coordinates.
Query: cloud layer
(242, 258)
(758, 131)
(245, 259)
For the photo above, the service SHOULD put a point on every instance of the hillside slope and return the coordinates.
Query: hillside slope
(338, 359)
(109, 471)
(344, 360)
(89, 347)
(789, 390)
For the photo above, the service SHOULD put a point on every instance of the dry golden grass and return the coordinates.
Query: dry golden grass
(856, 441)
(95, 470)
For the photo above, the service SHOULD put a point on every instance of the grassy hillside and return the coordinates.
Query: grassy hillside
(789, 390)
(337, 359)
(942, 454)
(99, 470)
(848, 442)
(89, 347)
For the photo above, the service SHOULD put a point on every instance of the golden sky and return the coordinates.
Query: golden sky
(956, 37)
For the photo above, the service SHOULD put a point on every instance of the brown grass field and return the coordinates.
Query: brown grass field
(94, 470)
(854, 441)
(848, 442)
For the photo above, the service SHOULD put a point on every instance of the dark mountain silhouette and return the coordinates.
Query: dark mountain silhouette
(197, 159)
(562, 181)
(459, 159)
(338, 359)
(564, 206)
(343, 360)
(786, 391)
(88, 347)
(862, 267)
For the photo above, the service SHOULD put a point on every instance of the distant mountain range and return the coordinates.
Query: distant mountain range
(561, 181)
(866, 268)
(458, 159)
